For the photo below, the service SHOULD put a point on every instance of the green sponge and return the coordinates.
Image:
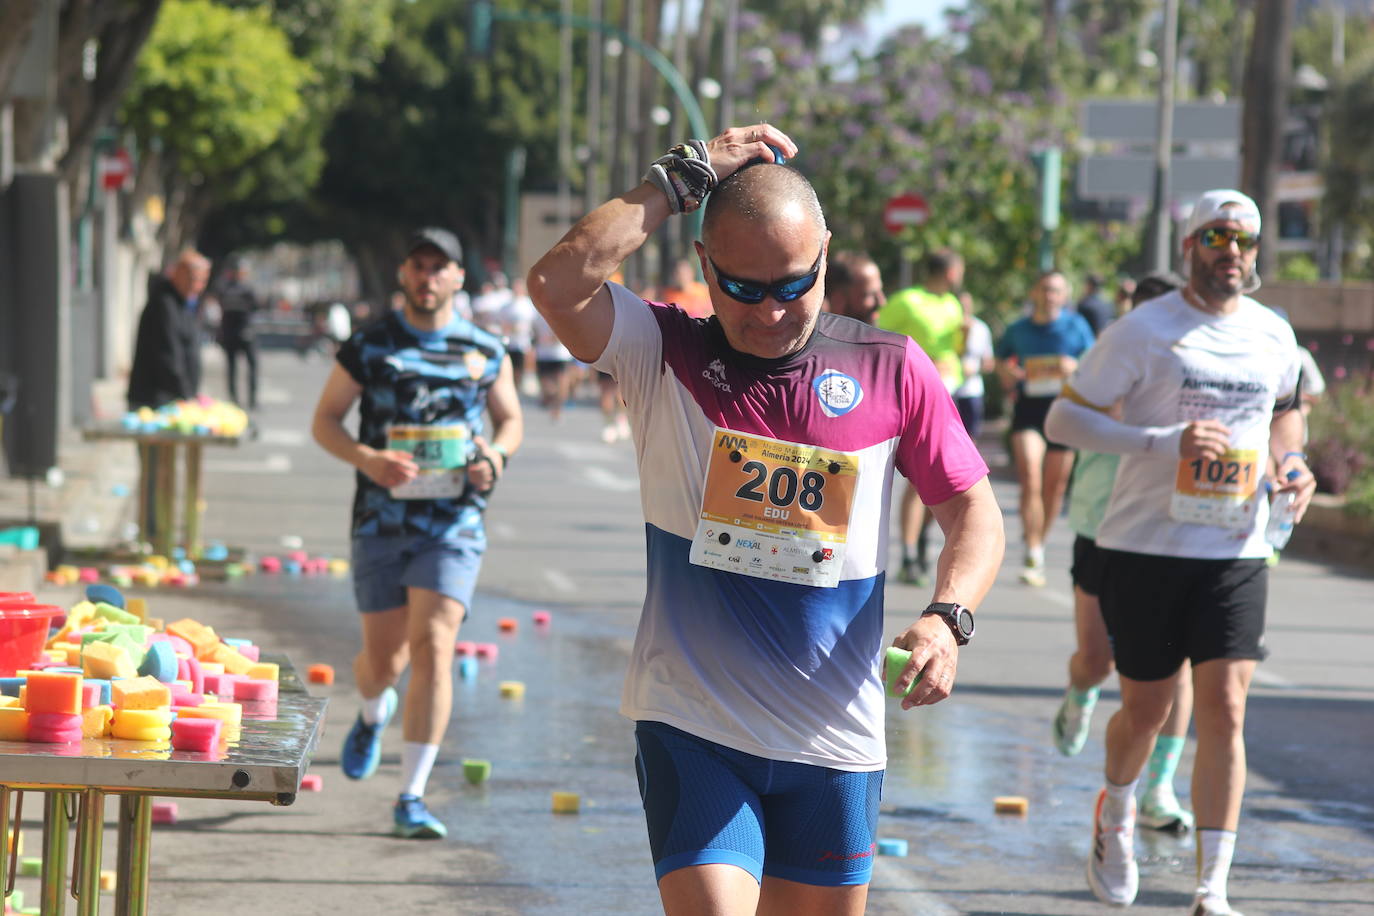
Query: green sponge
(476, 771)
(894, 664)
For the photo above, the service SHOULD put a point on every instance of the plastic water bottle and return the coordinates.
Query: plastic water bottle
(1280, 527)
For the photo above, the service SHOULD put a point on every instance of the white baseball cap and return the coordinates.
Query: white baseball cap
(1223, 204)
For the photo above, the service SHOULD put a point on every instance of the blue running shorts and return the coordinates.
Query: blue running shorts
(707, 804)
(384, 566)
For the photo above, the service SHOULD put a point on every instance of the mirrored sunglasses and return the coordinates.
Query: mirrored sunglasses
(1217, 239)
(752, 292)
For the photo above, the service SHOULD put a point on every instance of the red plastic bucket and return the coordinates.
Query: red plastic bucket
(23, 631)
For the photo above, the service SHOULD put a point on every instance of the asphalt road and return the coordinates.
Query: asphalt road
(566, 536)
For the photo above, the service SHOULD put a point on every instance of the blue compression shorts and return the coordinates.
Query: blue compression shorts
(708, 804)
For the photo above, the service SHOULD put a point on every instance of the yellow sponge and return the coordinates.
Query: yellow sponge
(566, 802)
(263, 671)
(106, 661)
(230, 658)
(14, 724)
(142, 724)
(145, 692)
(95, 722)
(1010, 804)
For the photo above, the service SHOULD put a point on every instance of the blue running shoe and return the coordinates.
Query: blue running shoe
(362, 749)
(414, 822)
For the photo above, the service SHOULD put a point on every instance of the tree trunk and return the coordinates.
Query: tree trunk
(1266, 109)
(16, 24)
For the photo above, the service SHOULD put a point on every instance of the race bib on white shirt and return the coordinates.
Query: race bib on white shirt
(775, 510)
(1220, 492)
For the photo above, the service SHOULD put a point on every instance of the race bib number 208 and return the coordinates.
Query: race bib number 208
(774, 509)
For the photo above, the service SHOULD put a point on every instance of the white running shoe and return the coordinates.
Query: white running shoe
(1072, 721)
(1033, 576)
(1112, 871)
(1160, 810)
(1212, 906)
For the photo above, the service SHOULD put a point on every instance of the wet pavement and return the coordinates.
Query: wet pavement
(566, 536)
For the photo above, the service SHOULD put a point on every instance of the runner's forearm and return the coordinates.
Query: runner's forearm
(573, 270)
(1083, 427)
(974, 543)
(329, 432)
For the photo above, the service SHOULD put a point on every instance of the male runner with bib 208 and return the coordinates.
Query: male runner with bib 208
(767, 437)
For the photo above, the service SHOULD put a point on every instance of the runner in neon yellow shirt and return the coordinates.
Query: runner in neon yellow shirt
(931, 315)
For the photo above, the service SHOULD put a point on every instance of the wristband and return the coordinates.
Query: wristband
(684, 175)
(500, 449)
(1287, 455)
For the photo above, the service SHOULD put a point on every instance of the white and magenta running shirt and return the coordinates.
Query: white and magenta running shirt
(765, 485)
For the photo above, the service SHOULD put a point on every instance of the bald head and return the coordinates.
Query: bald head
(763, 193)
(190, 273)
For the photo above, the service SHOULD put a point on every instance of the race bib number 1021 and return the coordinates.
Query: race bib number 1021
(776, 510)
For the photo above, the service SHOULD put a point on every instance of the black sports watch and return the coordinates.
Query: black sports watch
(959, 618)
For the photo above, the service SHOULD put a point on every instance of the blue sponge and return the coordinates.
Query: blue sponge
(892, 847)
(160, 661)
(107, 594)
(467, 667)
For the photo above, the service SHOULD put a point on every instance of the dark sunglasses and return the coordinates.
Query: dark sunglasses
(752, 292)
(1218, 239)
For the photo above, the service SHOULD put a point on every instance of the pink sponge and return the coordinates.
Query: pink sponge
(542, 618)
(312, 782)
(250, 689)
(196, 675)
(54, 727)
(464, 648)
(270, 564)
(164, 812)
(252, 653)
(195, 734)
(183, 697)
(488, 650)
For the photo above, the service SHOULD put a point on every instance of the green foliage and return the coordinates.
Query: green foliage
(918, 117)
(1298, 268)
(214, 87)
(1350, 161)
(426, 137)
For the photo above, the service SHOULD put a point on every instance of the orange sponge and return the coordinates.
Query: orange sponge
(55, 693)
(145, 692)
(201, 637)
(320, 674)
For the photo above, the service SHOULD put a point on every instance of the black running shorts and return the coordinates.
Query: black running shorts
(1161, 610)
(1030, 413)
(1087, 565)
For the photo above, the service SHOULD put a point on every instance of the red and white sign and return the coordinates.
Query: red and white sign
(904, 210)
(116, 170)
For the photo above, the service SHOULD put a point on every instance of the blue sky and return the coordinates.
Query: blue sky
(929, 13)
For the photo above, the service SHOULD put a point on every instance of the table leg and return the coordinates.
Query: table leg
(90, 826)
(194, 496)
(53, 893)
(146, 487)
(135, 849)
(7, 860)
(165, 499)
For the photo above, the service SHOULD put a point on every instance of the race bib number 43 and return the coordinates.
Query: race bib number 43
(776, 510)
(1218, 492)
(440, 452)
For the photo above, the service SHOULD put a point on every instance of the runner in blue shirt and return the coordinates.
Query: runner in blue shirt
(426, 462)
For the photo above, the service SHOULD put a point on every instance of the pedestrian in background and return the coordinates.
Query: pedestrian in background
(239, 306)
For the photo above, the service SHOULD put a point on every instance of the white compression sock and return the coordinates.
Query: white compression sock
(416, 762)
(1117, 807)
(1214, 851)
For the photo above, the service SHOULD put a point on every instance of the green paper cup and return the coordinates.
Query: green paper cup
(894, 664)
